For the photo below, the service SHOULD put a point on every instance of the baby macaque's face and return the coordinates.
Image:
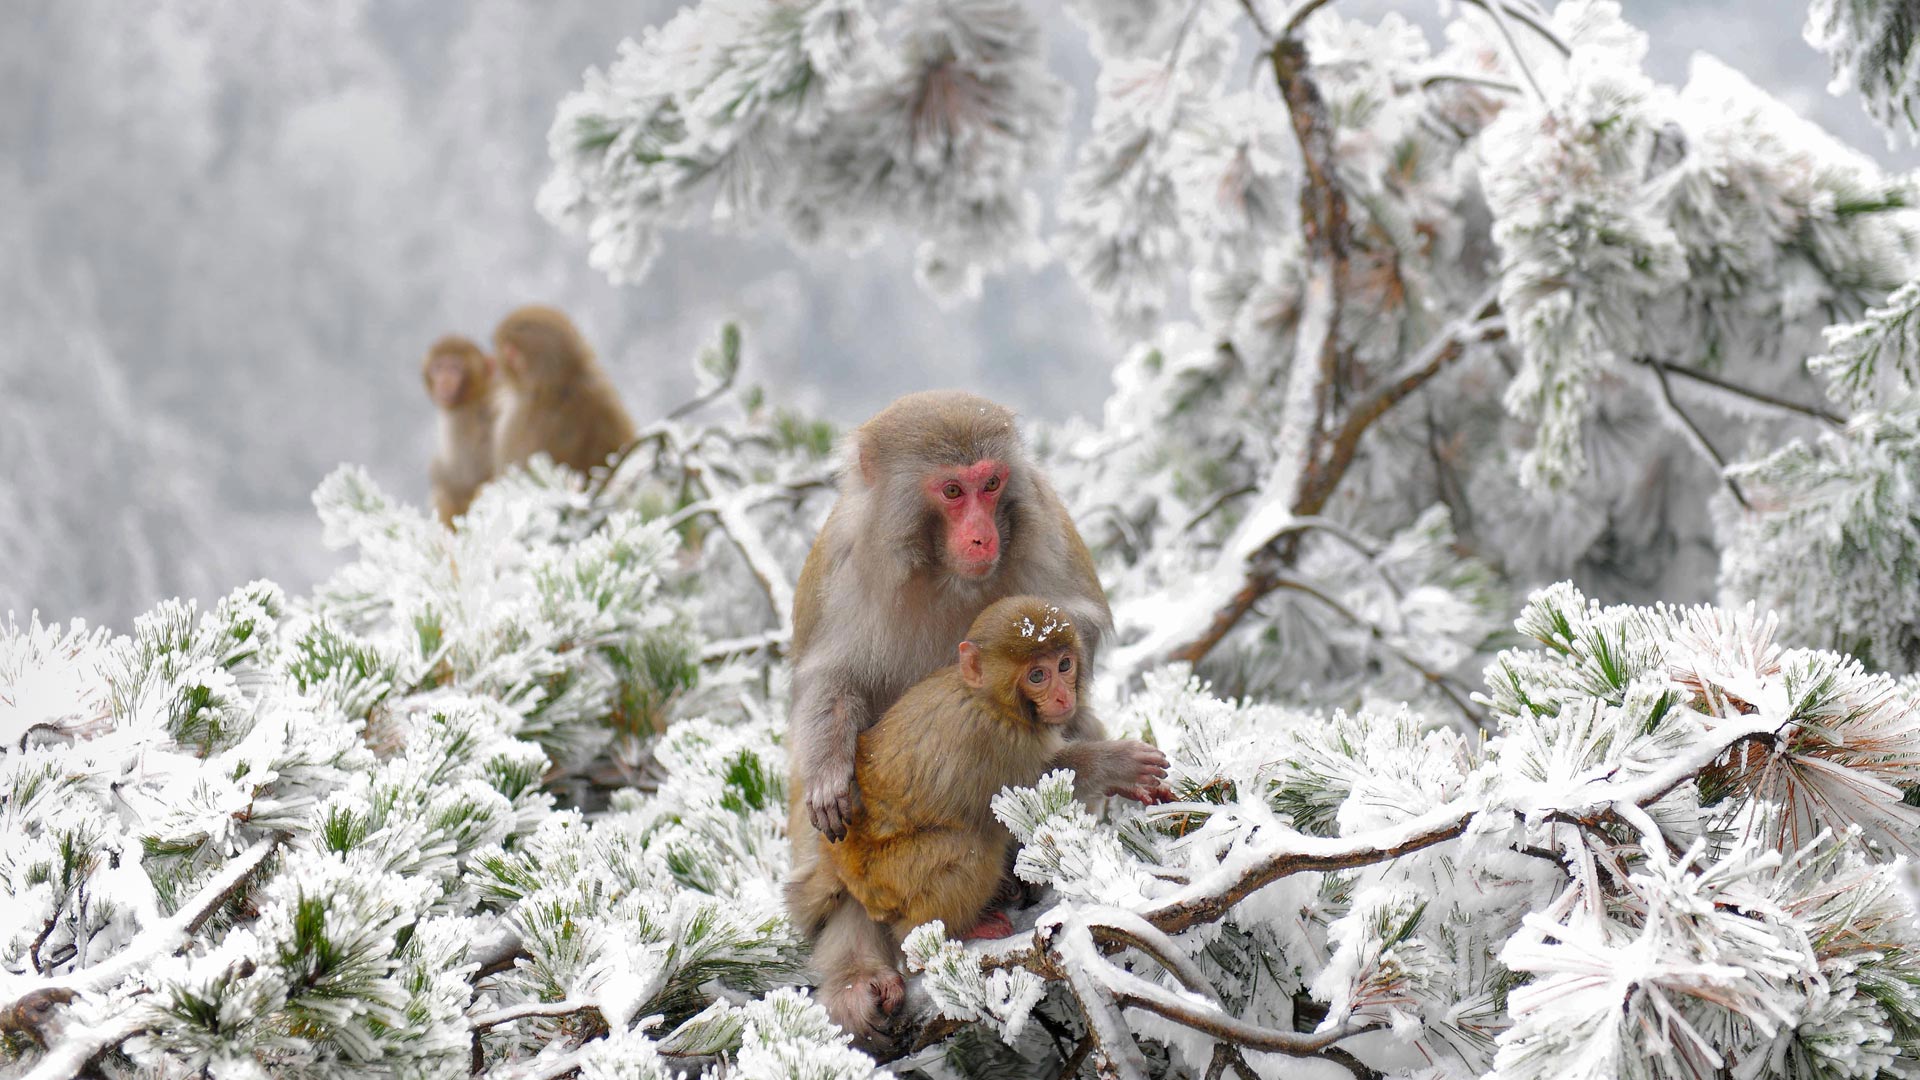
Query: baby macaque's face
(1049, 682)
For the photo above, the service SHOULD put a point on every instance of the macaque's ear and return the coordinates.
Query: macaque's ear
(487, 365)
(869, 468)
(970, 672)
(512, 362)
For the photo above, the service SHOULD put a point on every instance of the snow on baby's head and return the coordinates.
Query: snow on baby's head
(1052, 623)
(1023, 627)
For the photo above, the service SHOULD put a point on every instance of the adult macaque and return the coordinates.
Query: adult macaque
(459, 380)
(940, 514)
(923, 843)
(558, 399)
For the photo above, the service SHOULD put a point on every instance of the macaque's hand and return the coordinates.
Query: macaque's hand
(831, 798)
(1140, 772)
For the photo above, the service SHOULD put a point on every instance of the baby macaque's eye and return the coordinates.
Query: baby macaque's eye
(951, 491)
(1037, 676)
(1066, 664)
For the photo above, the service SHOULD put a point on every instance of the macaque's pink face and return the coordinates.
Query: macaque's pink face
(446, 379)
(965, 497)
(1049, 682)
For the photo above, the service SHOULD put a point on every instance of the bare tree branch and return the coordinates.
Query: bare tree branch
(1439, 680)
(1697, 437)
(1758, 397)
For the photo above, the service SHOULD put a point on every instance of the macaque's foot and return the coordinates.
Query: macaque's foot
(992, 926)
(887, 990)
(864, 1003)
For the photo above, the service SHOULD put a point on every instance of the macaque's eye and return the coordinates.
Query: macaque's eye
(1066, 664)
(993, 484)
(1037, 676)
(952, 490)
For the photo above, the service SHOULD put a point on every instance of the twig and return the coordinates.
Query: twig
(76, 1054)
(1760, 397)
(1212, 896)
(1439, 680)
(1485, 81)
(1531, 21)
(529, 1009)
(169, 935)
(1299, 16)
(1129, 989)
(774, 641)
(1218, 502)
(1696, 436)
(1180, 38)
(1498, 12)
(1071, 1065)
(1259, 24)
(1360, 1069)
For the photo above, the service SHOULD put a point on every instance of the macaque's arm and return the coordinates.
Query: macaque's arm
(1127, 767)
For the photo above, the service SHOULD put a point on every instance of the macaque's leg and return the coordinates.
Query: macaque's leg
(956, 874)
(853, 962)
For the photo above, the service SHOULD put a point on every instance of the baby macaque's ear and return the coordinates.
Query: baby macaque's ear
(970, 672)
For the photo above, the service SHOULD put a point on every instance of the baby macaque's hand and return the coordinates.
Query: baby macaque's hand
(1141, 772)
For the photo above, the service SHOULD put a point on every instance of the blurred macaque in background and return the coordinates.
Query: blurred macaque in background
(557, 399)
(460, 383)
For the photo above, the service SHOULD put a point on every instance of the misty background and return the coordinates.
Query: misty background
(228, 232)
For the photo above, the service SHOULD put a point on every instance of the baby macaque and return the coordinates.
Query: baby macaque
(459, 380)
(923, 843)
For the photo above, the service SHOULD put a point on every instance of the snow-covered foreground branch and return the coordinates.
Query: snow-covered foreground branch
(1397, 870)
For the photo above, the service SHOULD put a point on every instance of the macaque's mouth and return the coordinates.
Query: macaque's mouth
(975, 568)
(1048, 716)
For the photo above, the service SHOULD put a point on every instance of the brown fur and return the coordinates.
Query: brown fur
(464, 459)
(559, 400)
(923, 843)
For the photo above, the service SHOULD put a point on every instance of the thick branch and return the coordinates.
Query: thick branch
(1262, 575)
(1211, 897)
(1122, 927)
(1113, 1041)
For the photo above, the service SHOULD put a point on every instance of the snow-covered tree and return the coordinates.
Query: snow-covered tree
(1339, 245)
(1419, 325)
